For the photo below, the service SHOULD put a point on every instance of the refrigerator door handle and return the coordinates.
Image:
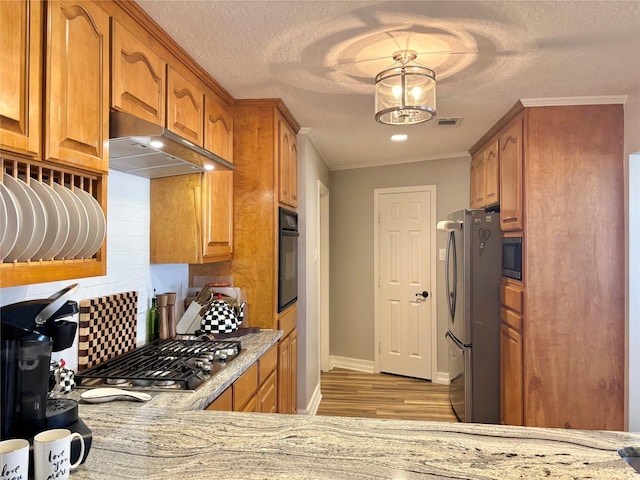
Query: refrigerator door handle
(453, 341)
(451, 292)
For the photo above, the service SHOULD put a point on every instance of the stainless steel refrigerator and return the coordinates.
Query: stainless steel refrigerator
(472, 277)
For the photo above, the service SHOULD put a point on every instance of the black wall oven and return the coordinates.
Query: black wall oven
(287, 259)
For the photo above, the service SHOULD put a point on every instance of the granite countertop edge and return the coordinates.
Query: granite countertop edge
(171, 437)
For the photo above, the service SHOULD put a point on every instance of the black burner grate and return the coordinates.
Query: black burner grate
(162, 365)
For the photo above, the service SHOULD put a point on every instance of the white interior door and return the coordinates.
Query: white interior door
(405, 262)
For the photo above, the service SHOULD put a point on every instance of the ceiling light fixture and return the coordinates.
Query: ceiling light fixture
(405, 93)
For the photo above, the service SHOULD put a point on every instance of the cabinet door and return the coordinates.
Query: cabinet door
(224, 403)
(218, 128)
(511, 377)
(492, 174)
(287, 164)
(21, 28)
(217, 208)
(268, 395)
(511, 156)
(185, 108)
(77, 87)
(294, 370)
(138, 77)
(284, 375)
(476, 196)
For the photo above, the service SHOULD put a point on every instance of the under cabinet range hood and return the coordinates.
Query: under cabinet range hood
(148, 150)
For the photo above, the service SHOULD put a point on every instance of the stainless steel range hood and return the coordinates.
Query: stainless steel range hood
(148, 150)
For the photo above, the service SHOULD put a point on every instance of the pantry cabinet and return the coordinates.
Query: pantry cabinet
(21, 80)
(562, 332)
(77, 85)
(138, 77)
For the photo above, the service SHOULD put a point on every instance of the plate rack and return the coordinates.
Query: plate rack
(28, 271)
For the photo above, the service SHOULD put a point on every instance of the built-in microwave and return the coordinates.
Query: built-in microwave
(512, 257)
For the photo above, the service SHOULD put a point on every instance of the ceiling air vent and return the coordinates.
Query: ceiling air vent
(448, 122)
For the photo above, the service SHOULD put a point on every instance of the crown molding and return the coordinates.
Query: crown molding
(564, 101)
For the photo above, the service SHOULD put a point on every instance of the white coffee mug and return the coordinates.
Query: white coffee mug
(14, 459)
(52, 454)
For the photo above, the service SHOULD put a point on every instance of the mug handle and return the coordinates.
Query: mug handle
(75, 465)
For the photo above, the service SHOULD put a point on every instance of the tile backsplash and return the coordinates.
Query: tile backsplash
(128, 266)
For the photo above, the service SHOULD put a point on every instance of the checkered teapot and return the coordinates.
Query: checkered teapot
(222, 316)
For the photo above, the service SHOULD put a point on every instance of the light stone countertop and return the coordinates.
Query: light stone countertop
(170, 437)
(159, 443)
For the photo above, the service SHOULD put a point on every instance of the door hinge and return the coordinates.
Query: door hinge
(379, 348)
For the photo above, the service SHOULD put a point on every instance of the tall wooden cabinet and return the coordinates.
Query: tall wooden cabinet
(562, 334)
(265, 157)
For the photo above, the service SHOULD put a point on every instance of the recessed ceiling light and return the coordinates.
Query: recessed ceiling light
(399, 137)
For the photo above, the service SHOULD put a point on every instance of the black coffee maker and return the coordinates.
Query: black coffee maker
(30, 332)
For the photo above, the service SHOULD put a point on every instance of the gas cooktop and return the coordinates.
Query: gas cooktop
(174, 365)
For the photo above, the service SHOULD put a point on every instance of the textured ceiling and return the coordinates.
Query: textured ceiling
(320, 57)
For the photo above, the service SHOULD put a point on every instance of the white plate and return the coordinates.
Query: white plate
(26, 218)
(11, 221)
(97, 223)
(3, 219)
(40, 220)
(62, 223)
(83, 228)
(53, 223)
(74, 222)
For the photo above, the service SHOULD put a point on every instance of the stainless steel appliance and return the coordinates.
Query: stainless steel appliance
(163, 365)
(287, 259)
(473, 269)
(512, 257)
(30, 331)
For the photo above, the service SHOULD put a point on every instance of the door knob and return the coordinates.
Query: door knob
(423, 294)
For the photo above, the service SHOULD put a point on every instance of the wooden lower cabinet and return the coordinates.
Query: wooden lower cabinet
(511, 381)
(288, 362)
(255, 390)
(224, 403)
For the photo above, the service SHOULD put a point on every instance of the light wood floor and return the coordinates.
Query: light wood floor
(348, 393)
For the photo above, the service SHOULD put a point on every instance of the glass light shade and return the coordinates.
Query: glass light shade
(405, 95)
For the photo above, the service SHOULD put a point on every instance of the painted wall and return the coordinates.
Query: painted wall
(311, 168)
(128, 265)
(351, 240)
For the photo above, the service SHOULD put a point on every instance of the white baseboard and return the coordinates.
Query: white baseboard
(367, 366)
(314, 403)
(442, 378)
(356, 364)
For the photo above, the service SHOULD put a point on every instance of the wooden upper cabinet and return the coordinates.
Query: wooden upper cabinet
(476, 195)
(21, 30)
(185, 108)
(492, 174)
(511, 165)
(138, 77)
(77, 85)
(217, 215)
(191, 218)
(287, 163)
(218, 128)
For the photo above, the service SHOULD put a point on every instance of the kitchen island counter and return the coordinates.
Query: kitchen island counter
(161, 443)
